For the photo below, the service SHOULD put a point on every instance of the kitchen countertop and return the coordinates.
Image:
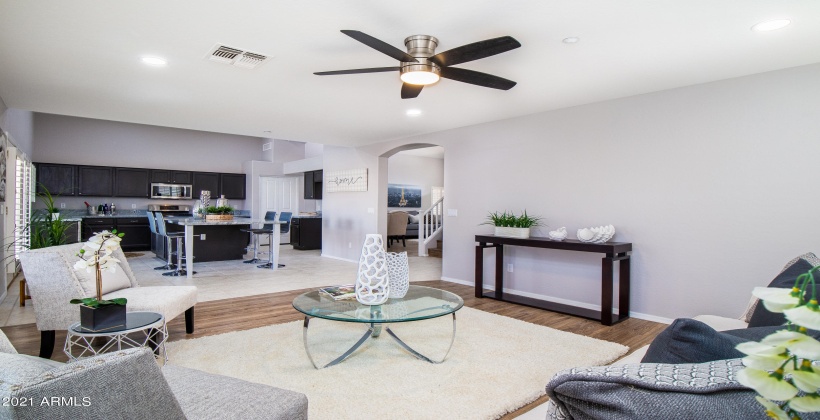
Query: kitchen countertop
(193, 221)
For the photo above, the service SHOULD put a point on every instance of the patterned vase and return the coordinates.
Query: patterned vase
(205, 198)
(373, 281)
(399, 272)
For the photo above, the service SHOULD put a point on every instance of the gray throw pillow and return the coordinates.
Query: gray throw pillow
(690, 341)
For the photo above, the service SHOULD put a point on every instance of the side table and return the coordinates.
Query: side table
(142, 329)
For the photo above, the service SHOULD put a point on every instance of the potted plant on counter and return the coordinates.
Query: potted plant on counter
(97, 314)
(511, 226)
(219, 213)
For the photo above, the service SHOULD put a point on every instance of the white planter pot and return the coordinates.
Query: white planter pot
(511, 232)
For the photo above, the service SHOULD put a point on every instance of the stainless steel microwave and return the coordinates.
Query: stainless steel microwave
(171, 191)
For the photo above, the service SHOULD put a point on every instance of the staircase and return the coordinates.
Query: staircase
(431, 227)
(436, 252)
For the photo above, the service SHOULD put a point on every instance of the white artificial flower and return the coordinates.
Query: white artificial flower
(807, 404)
(777, 299)
(807, 381)
(770, 386)
(753, 348)
(766, 362)
(801, 345)
(804, 316)
(81, 264)
(773, 410)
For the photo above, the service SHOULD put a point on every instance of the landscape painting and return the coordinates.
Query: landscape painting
(400, 195)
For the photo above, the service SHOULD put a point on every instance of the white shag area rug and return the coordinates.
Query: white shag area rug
(497, 365)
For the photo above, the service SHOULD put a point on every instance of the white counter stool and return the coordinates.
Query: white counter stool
(178, 270)
(254, 240)
(152, 224)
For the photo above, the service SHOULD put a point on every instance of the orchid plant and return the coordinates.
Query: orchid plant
(783, 364)
(101, 248)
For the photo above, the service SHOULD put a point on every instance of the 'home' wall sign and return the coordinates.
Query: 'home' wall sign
(346, 180)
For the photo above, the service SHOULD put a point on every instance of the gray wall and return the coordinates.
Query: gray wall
(20, 125)
(421, 171)
(73, 140)
(712, 183)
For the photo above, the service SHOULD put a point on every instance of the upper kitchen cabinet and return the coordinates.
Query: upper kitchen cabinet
(313, 185)
(95, 181)
(232, 186)
(206, 181)
(166, 176)
(131, 182)
(57, 179)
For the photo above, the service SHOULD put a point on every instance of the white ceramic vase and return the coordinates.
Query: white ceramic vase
(399, 271)
(373, 280)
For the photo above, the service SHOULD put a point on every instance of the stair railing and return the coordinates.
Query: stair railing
(431, 225)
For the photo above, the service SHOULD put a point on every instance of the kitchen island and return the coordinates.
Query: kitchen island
(219, 240)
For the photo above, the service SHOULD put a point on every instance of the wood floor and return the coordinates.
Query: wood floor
(217, 317)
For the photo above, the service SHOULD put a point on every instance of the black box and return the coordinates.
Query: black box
(103, 318)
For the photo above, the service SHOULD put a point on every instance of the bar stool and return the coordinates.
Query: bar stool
(152, 224)
(180, 240)
(271, 215)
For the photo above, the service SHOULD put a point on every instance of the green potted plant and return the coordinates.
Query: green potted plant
(507, 224)
(96, 313)
(219, 213)
(46, 227)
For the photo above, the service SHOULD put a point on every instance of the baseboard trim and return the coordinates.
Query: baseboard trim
(638, 315)
(339, 258)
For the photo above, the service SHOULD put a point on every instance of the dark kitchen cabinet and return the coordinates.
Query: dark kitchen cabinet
(57, 179)
(232, 186)
(206, 181)
(131, 182)
(306, 233)
(166, 176)
(95, 181)
(92, 225)
(137, 233)
(313, 185)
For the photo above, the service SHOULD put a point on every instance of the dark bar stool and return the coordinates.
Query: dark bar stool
(152, 224)
(180, 252)
(271, 215)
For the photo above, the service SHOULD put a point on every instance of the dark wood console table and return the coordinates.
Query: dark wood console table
(615, 251)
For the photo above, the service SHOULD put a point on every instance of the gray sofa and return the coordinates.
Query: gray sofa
(634, 388)
(129, 384)
(412, 227)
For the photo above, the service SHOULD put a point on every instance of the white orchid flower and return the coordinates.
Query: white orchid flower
(805, 316)
(766, 362)
(799, 344)
(773, 410)
(770, 386)
(81, 265)
(807, 404)
(807, 381)
(777, 299)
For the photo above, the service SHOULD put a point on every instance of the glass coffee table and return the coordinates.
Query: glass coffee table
(420, 303)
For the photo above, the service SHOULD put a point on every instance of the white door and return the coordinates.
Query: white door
(279, 194)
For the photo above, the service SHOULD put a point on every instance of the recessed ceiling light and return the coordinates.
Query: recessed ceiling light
(571, 40)
(154, 61)
(413, 112)
(771, 25)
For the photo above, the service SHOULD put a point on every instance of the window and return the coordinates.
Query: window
(436, 193)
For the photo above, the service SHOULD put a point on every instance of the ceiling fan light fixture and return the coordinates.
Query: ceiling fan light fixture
(419, 77)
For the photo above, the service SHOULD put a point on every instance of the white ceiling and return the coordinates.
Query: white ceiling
(82, 58)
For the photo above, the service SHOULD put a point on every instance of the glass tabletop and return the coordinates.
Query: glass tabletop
(133, 321)
(419, 303)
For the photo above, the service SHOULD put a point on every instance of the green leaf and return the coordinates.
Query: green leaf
(121, 234)
(75, 301)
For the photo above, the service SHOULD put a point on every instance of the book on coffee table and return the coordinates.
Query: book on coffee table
(347, 291)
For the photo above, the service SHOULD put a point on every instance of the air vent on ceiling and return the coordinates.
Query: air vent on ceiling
(236, 57)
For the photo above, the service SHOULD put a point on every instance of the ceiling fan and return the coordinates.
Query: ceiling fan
(421, 66)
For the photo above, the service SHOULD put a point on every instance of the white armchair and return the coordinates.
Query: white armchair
(53, 282)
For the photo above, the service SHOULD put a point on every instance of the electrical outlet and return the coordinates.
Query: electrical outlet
(62, 205)
(202, 237)
(452, 212)
(350, 244)
(133, 206)
(509, 268)
(371, 210)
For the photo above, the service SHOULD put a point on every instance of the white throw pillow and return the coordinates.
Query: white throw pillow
(414, 218)
(111, 282)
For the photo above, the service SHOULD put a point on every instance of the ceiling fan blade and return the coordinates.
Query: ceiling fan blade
(409, 91)
(475, 51)
(476, 78)
(380, 46)
(357, 71)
